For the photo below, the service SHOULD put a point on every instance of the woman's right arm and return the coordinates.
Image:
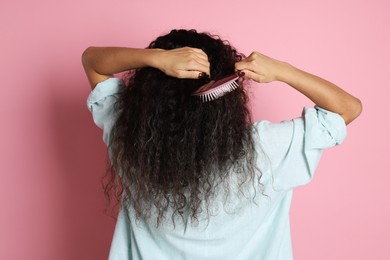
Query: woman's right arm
(101, 63)
(323, 93)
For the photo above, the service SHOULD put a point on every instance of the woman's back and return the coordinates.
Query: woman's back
(199, 180)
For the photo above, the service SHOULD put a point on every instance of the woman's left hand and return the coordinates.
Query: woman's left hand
(183, 62)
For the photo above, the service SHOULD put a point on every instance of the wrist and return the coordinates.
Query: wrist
(284, 71)
(154, 58)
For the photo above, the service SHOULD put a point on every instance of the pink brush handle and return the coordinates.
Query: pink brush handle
(209, 87)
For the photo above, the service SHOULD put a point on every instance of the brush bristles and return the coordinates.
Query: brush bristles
(219, 91)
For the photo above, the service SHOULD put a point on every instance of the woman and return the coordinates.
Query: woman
(200, 180)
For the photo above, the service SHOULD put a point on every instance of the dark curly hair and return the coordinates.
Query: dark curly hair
(169, 151)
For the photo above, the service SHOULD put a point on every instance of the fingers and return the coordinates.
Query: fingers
(190, 74)
(258, 67)
(199, 61)
(199, 66)
(247, 63)
(240, 66)
(199, 52)
(186, 62)
(246, 67)
(252, 75)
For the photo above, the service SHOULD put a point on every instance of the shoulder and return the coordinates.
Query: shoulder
(294, 147)
(316, 127)
(104, 89)
(101, 103)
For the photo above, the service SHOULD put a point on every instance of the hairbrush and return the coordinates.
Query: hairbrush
(216, 89)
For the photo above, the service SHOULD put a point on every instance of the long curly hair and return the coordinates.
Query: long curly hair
(169, 151)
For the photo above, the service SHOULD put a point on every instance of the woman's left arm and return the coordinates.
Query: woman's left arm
(101, 63)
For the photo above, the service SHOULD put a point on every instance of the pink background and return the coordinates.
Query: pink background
(52, 156)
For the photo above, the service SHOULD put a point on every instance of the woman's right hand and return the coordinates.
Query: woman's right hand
(323, 93)
(259, 67)
(183, 62)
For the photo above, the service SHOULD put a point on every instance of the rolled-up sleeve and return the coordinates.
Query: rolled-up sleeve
(294, 148)
(101, 104)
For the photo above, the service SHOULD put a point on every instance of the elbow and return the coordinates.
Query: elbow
(86, 56)
(355, 108)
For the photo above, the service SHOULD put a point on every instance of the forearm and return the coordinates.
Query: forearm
(111, 60)
(264, 69)
(102, 62)
(322, 92)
